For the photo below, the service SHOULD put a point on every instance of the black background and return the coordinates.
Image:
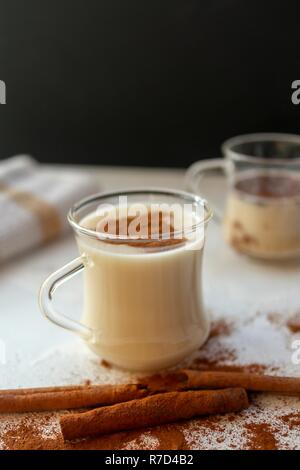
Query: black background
(144, 83)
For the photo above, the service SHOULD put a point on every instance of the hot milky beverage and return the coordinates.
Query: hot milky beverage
(263, 214)
(141, 260)
(143, 297)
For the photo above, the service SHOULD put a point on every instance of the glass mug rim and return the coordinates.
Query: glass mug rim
(228, 152)
(97, 197)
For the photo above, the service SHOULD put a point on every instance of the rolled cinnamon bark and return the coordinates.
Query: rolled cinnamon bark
(58, 398)
(252, 382)
(152, 411)
(194, 379)
(27, 391)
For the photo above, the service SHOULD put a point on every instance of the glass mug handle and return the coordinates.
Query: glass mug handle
(198, 170)
(47, 290)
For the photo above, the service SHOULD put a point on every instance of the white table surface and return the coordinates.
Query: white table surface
(234, 285)
(25, 335)
(34, 352)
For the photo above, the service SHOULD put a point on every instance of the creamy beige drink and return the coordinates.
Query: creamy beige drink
(143, 299)
(263, 214)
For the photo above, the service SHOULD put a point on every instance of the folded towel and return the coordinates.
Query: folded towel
(34, 202)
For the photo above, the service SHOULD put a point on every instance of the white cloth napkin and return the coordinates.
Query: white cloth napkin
(34, 202)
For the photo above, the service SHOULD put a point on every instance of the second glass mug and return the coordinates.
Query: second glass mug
(262, 207)
(143, 307)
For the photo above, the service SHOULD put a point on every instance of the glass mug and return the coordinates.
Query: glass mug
(262, 213)
(143, 307)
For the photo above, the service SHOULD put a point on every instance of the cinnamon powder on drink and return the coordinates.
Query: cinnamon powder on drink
(156, 230)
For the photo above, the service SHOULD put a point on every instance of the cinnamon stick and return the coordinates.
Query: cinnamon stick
(58, 398)
(152, 411)
(59, 388)
(249, 381)
(194, 379)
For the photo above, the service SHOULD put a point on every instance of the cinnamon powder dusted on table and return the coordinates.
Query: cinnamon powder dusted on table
(31, 433)
(252, 368)
(294, 323)
(292, 419)
(220, 328)
(260, 436)
(41, 430)
(217, 355)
